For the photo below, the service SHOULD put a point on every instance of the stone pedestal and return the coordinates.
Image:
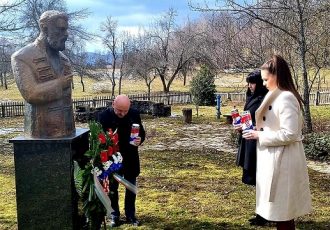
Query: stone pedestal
(45, 193)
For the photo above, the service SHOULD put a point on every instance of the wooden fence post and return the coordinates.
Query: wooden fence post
(187, 115)
(3, 110)
(317, 98)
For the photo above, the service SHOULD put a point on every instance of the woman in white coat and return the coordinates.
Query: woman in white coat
(282, 184)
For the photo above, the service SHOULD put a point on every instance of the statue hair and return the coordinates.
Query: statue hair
(49, 16)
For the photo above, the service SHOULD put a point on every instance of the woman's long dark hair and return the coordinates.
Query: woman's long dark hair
(255, 77)
(280, 68)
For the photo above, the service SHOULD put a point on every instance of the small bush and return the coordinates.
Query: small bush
(202, 87)
(317, 146)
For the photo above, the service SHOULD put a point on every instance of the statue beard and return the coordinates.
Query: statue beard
(56, 44)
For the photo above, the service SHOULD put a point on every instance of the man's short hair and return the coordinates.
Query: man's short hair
(50, 15)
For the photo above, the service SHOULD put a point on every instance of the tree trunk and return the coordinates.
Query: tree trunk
(162, 78)
(5, 80)
(319, 81)
(113, 77)
(1, 78)
(113, 89)
(187, 115)
(302, 44)
(119, 85)
(307, 113)
(167, 89)
(82, 83)
(197, 107)
(149, 90)
(113, 83)
(184, 79)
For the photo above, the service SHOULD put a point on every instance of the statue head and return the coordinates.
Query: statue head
(54, 29)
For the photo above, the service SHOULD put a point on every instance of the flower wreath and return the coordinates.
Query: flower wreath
(103, 162)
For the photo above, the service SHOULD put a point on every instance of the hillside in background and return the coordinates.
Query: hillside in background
(92, 58)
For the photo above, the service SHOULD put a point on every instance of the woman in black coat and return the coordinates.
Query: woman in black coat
(247, 152)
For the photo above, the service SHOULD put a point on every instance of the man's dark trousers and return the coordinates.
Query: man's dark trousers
(130, 198)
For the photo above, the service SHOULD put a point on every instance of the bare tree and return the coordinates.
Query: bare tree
(219, 40)
(6, 49)
(141, 62)
(126, 49)
(188, 68)
(295, 20)
(8, 15)
(8, 24)
(32, 10)
(122, 66)
(112, 43)
(78, 59)
(172, 47)
(161, 35)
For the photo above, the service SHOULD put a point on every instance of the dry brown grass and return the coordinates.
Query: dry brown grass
(224, 83)
(183, 188)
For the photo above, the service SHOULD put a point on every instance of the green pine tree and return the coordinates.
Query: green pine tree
(202, 88)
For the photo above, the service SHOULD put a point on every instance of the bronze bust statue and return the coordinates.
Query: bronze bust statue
(43, 75)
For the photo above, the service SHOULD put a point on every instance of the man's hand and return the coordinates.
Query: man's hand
(137, 141)
(238, 128)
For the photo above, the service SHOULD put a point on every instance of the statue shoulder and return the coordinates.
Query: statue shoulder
(26, 53)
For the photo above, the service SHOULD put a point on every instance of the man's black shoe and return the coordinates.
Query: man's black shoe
(114, 222)
(133, 221)
(258, 221)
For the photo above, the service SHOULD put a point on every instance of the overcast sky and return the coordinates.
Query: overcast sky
(130, 14)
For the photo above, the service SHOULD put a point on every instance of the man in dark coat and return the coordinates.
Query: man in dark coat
(121, 117)
(247, 152)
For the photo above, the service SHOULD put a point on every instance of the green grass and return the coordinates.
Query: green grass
(7, 193)
(182, 189)
(320, 112)
(183, 194)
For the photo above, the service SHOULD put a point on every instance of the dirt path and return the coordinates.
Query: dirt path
(190, 136)
(163, 135)
(199, 136)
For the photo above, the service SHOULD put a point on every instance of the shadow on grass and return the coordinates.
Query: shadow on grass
(319, 181)
(191, 224)
(7, 224)
(312, 225)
